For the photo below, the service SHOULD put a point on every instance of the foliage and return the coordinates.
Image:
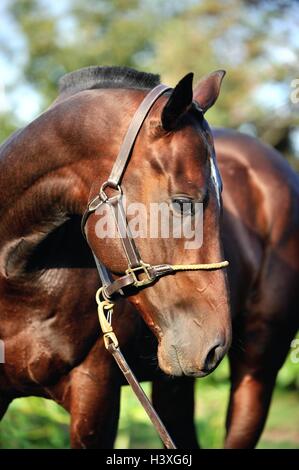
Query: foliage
(7, 126)
(39, 423)
(34, 423)
(89, 33)
(257, 47)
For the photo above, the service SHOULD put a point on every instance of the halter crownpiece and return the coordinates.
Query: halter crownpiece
(138, 274)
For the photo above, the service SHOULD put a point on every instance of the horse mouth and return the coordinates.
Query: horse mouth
(171, 363)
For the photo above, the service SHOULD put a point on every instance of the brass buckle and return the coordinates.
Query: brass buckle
(104, 306)
(142, 269)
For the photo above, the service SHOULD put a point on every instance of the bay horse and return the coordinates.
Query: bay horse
(260, 237)
(48, 279)
(48, 169)
(261, 241)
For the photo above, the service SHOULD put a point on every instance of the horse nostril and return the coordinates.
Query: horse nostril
(213, 357)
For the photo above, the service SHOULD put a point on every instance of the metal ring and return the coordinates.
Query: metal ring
(105, 185)
(106, 300)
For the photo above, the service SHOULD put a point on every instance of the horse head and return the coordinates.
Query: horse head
(172, 165)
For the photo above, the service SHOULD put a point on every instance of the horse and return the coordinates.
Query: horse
(261, 243)
(262, 249)
(44, 259)
(48, 171)
(260, 237)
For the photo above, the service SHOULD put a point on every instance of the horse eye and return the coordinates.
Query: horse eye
(183, 205)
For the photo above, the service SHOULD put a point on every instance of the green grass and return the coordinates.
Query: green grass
(38, 423)
(34, 423)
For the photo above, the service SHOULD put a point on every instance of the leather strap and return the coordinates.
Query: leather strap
(132, 132)
(115, 203)
(129, 245)
(155, 272)
(138, 273)
(139, 392)
(128, 280)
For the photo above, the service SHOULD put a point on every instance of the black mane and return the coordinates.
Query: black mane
(106, 77)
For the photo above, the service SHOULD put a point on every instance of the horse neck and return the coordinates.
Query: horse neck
(48, 168)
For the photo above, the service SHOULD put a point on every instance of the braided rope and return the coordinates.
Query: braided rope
(197, 267)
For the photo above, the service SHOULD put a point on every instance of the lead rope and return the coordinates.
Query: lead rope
(199, 267)
(111, 344)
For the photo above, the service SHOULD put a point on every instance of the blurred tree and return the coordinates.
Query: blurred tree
(257, 42)
(255, 47)
(80, 34)
(7, 125)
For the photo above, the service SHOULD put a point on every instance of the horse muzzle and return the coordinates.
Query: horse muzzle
(195, 359)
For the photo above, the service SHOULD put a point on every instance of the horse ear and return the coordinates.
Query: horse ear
(178, 104)
(207, 89)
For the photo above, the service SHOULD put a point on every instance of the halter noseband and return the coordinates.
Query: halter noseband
(138, 273)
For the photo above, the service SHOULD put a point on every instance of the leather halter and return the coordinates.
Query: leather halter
(136, 267)
(138, 273)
